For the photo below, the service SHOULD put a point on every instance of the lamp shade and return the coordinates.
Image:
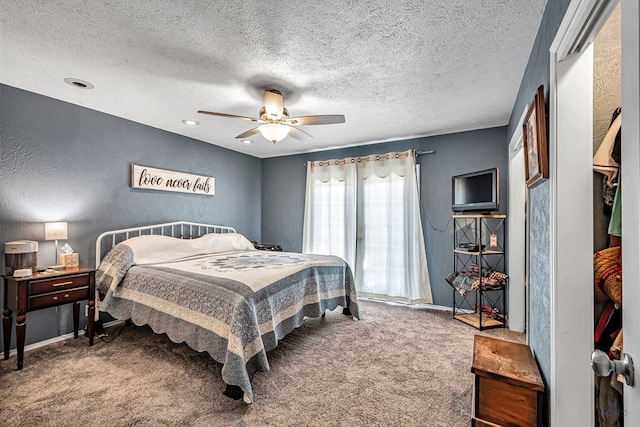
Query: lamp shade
(55, 230)
(274, 132)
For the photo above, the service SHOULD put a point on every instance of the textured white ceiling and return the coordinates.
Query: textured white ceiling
(395, 69)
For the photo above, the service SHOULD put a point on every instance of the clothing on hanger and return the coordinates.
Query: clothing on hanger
(603, 160)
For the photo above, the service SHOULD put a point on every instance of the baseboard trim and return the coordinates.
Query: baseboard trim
(414, 306)
(60, 338)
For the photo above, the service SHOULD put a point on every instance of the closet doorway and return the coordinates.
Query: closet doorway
(571, 135)
(607, 100)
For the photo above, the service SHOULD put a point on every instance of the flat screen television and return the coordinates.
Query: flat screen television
(475, 191)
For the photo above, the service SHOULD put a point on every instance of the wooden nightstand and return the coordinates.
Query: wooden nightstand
(40, 290)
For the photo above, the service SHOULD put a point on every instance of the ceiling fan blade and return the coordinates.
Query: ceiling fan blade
(273, 104)
(316, 120)
(299, 134)
(230, 116)
(248, 133)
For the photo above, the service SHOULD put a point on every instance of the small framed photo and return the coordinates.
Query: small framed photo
(534, 134)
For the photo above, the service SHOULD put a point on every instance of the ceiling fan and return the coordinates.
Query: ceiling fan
(276, 123)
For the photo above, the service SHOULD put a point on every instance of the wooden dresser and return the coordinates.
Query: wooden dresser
(508, 386)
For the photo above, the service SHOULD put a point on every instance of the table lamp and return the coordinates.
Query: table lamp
(55, 231)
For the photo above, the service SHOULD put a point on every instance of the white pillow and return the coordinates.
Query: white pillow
(227, 242)
(155, 248)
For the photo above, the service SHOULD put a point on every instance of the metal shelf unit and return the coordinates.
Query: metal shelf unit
(478, 280)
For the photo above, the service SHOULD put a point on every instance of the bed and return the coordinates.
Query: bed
(208, 286)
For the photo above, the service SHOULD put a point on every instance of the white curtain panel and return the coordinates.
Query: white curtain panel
(330, 210)
(391, 259)
(375, 222)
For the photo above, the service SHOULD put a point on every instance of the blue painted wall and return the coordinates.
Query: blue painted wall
(536, 74)
(283, 188)
(59, 161)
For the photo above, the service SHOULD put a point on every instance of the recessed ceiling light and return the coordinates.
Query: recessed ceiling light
(190, 122)
(82, 84)
(247, 141)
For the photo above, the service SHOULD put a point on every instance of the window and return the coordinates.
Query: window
(367, 212)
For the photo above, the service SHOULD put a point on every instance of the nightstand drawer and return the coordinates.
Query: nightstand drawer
(57, 298)
(57, 284)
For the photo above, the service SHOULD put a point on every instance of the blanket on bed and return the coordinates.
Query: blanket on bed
(234, 305)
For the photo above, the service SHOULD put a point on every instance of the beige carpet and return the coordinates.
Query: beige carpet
(397, 367)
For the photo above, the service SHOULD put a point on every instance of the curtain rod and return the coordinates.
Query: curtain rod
(417, 153)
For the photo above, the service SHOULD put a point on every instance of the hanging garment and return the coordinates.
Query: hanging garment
(608, 195)
(609, 191)
(615, 222)
(608, 327)
(609, 408)
(603, 161)
(616, 154)
(616, 353)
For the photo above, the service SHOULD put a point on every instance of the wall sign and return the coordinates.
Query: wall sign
(165, 180)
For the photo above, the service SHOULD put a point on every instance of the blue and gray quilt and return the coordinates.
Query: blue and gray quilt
(234, 305)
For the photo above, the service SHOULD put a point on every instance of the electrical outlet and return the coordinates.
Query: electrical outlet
(86, 311)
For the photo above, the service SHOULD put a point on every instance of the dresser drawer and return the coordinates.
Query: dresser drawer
(57, 284)
(57, 298)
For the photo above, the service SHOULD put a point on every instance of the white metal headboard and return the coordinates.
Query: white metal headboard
(180, 229)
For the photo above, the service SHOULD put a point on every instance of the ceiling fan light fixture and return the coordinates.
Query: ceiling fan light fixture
(274, 132)
(275, 122)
